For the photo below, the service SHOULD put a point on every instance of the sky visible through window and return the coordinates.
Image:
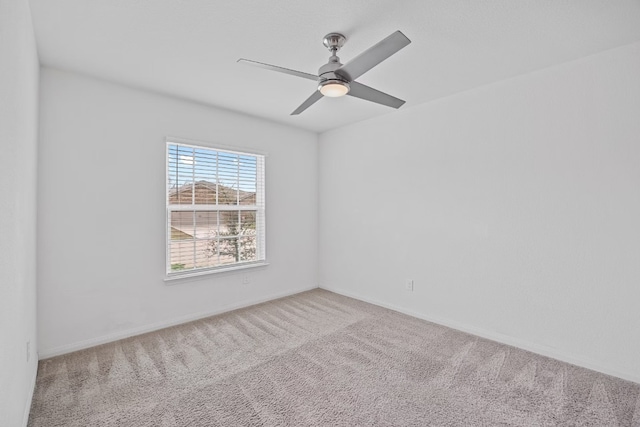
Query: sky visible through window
(191, 164)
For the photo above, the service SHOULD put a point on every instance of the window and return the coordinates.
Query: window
(215, 209)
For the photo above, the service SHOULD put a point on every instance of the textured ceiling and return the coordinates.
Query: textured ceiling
(189, 48)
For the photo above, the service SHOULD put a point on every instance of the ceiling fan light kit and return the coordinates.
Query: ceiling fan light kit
(335, 79)
(333, 88)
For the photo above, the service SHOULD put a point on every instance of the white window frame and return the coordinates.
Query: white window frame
(259, 208)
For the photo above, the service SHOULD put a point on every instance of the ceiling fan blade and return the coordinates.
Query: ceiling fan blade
(279, 69)
(373, 56)
(367, 93)
(308, 103)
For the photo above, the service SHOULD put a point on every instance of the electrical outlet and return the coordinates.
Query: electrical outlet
(28, 350)
(408, 285)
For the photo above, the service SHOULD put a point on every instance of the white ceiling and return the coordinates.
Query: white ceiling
(189, 48)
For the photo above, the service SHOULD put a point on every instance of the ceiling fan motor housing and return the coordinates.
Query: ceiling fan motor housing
(327, 72)
(328, 77)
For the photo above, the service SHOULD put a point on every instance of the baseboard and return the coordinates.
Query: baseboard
(69, 348)
(32, 388)
(495, 336)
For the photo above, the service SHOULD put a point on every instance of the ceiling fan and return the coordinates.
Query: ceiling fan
(335, 79)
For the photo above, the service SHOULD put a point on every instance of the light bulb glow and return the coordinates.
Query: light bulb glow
(334, 88)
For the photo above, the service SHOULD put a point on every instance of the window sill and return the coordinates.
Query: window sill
(177, 278)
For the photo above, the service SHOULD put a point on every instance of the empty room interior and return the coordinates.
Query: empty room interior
(297, 213)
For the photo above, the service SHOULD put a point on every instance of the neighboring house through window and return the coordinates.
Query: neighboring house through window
(215, 209)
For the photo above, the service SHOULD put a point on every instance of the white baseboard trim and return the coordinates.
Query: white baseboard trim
(495, 336)
(32, 388)
(69, 348)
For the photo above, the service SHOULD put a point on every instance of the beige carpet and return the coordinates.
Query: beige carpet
(320, 359)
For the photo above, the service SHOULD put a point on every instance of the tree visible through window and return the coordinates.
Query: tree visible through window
(215, 208)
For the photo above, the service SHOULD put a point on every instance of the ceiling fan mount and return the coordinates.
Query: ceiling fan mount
(335, 79)
(334, 41)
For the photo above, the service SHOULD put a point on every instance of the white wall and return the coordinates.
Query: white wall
(515, 207)
(18, 141)
(101, 236)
